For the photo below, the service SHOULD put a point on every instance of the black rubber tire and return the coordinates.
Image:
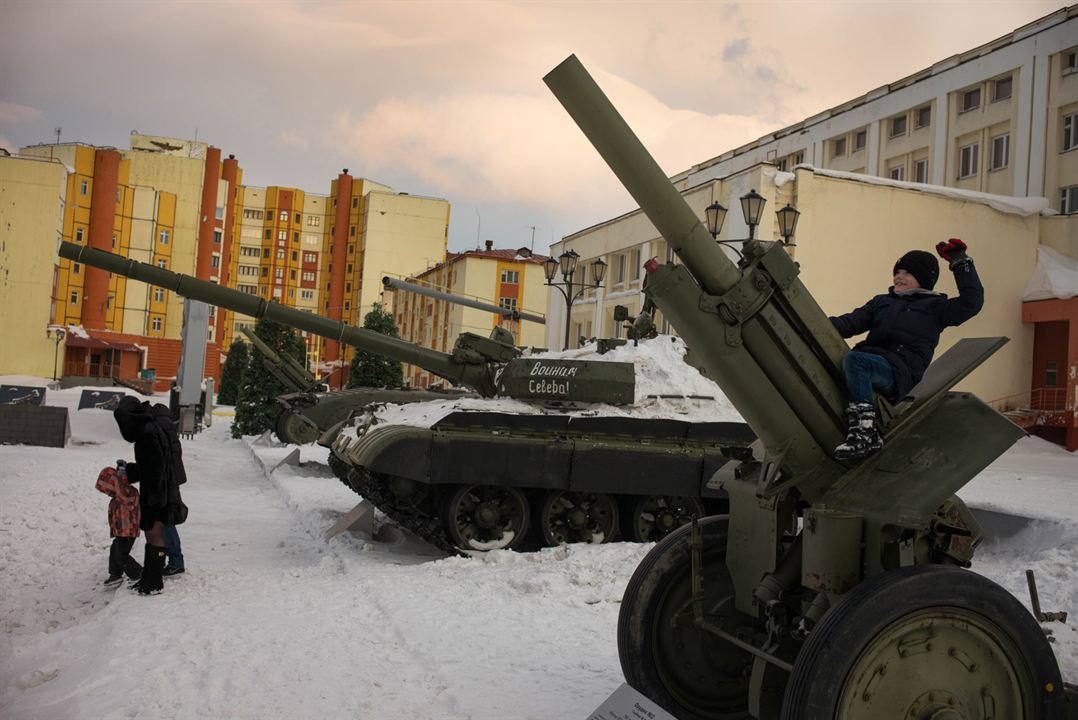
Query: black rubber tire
(835, 646)
(661, 582)
(293, 431)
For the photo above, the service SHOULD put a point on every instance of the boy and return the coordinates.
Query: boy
(123, 522)
(904, 327)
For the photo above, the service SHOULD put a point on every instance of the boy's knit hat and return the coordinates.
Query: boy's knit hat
(922, 265)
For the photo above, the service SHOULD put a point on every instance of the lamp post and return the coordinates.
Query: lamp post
(567, 264)
(55, 333)
(752, 207)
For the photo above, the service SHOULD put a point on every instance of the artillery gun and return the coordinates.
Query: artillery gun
(309, 408)
(831, 589)
(479, 476)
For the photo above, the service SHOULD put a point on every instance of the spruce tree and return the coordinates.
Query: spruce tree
(232, 373)
(257, 406)
(370, 370)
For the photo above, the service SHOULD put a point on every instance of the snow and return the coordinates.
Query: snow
(274, 620)
(1024, 206)
(1056, 276)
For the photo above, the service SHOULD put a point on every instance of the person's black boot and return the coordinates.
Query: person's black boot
(151, 583)
(863, 437)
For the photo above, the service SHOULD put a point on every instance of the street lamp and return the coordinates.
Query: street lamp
(567, 264)
(55, 333)
(752, 207)
(788, 223)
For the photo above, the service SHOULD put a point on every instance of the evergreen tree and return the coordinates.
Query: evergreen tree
(256, 406)
(369, 370)
(232, 373)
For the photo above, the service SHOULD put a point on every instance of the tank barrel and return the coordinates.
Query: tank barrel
(641, 175)
(474, 375)
(394, 284)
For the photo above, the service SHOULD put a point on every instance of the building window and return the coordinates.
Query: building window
(511, 277)
(507, 303)
(108, 302)
(284, 216)
(265, 252)
(1001, 88)
(898, 126)
(860, 139)
(215, 261)
(158, 295)
(217, 235)
(967, 160)
(314, 220)
(306, 294)
(162, 263)
(636, 264)
(291, 274)
(349, 269)
(355, 202)
(164, 237)
(782, 165)
(84, 187)
(799, 157)
(268, 231)
(250, 214)
(298, 217)
(280, 254)
(839, 148)
(156, 324)
(117, 202)
(898, 172)
(219, 212)
(923, 117)
(279, 273)
(971, 100)
(1051, 374)
(308, 276)
(282, 235)
(75, 267)
(1001, 145)
(351, 249)
(920, 171)
(1070, 132)
(1068, 202)
(295, 237)
(78, 235)
(74, 297)
(310, 257)
(265, 272)
(114, 241)
(1070, 61)
(352, 230)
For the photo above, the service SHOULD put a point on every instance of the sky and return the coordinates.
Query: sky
(446, 99)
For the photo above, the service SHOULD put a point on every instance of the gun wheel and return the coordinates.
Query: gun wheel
(689, 672)
(926, 642)
(571, 517)
(294, 429)
(487, 517)
(653, 517)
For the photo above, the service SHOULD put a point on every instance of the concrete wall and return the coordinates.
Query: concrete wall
(32, 199)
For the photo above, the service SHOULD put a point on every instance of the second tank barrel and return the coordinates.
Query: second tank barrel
(439, 363)
(394, 284)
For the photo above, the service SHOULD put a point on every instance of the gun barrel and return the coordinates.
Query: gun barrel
(394, 284)
(439, 363)
(615, 141)
(286, 368)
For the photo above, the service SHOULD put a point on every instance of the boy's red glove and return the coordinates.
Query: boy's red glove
(953, 251)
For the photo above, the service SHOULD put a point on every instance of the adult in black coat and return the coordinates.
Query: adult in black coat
(159, 497)
(904, 327)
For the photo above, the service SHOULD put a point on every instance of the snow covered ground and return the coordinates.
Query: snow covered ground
(272, 620)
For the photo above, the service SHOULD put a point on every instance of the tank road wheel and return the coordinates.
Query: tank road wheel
(294, 429)
(487, 517)
(570, 517)
(926, 642)
(653, 517)
(687, 671)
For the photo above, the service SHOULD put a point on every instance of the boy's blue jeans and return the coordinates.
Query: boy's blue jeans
(172, 547)
(865, 372)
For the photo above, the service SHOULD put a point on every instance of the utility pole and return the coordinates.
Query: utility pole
(532, 246)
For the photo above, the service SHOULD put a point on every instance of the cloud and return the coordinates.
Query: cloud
(735, 49)
(13, 114)
(294, 139)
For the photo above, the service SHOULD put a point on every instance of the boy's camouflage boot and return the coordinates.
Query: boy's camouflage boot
(863, 437)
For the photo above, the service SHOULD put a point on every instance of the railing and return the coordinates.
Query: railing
(1041, 399)
(86, 368)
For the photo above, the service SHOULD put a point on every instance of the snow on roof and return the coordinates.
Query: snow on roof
(1024, 206)
(1055, 277)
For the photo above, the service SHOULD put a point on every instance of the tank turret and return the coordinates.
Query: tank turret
(832, 589)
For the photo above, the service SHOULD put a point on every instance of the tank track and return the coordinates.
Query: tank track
(427, 528)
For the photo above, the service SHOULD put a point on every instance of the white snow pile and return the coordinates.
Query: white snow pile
(1024, 206)
(666, 388)
(274, 620)
(1056, 276)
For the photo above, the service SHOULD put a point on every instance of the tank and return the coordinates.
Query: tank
(554, 455)
(830, 589)
(309, 409)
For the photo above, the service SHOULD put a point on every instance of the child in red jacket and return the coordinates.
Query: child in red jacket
(123, 522)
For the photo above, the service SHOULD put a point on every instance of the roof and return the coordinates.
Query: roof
(98, 344)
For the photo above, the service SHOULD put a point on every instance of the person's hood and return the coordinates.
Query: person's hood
(131, 417)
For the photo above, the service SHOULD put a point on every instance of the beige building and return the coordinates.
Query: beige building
(32, 208)
(510, 279)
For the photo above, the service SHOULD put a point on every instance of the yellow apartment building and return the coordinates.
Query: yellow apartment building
(511, 279)
(32, 210)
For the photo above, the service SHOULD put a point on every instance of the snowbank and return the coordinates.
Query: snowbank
(1056, 276)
